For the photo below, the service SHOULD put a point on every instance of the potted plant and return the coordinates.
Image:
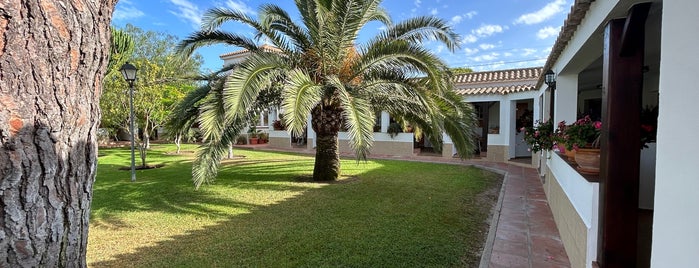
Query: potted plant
(540, 136)
(583, 137)
(253, 133)
(278, 125)
(393, 129)
(560, 140)
(263, 137)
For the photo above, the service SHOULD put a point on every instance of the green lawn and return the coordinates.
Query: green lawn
(262, 211)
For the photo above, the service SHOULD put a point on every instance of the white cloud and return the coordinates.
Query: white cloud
(487, 57)
(547, 50)
(240, 6)
(507, 54)
(417, 3)
(188, 12)
(125, 10)
(486, 46)
(469, 39)
(470, 51)
(546, 32)
(488, 30)
(528, 51)
(456, 19)
(459, 18)
(439, 49)
(548, 11)
(434, 12)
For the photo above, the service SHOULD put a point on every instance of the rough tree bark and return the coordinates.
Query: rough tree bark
(326, 122)
(53, 55)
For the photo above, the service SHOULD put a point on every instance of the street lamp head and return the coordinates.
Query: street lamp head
(550, 78)
(129, 72)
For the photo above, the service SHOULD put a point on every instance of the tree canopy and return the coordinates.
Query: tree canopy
(161, 80)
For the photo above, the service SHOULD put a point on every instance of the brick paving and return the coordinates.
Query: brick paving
(525, 232)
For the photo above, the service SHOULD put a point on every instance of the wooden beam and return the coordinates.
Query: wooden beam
(634, 29)
(620, 142)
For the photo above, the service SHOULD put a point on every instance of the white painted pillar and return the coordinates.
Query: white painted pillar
(536, 110)
(675, 218)
(273, 115)
(310, 134)
(510, 129)
(566, 98)
(385, 121)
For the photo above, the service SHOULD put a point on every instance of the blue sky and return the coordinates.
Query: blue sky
(496, 34)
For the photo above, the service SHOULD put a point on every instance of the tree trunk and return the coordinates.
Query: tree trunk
(53, 56)
(146, 133)
(326, 123)
(230, 151)
(178, 139)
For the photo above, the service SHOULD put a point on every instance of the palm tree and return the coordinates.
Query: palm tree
(324, 72)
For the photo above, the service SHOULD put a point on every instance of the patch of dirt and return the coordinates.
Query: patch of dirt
(182, 152)
(143, 167)
(486, 201)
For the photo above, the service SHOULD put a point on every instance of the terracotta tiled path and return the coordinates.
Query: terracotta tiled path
(523, 233)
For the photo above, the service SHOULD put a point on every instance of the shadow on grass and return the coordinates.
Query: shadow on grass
(395, 214)
(170, 189)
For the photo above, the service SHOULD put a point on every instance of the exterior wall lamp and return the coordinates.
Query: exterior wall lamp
(129, 73)
(550, 80)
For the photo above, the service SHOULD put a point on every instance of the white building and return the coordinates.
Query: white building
(613, 57)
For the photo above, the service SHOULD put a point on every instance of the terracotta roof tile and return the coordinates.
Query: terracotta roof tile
(497, 82)
(575, 17)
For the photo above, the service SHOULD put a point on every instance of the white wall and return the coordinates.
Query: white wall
(676, 216)
(566, 99)
(584, 196)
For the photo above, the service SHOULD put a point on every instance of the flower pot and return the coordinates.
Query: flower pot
(570, 154)
(254, 140)
(587, 160)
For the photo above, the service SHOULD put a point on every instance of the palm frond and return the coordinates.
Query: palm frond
(274, 18)
(420, 29)
(209, 155)
(300, 96)
(215, 17)
(245, 83)
(206, 38)
(359, 119)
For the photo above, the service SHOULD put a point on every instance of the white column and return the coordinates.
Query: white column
(509, 128)
(272, 115)
(310, 134)
(537, 109)
(385, 120)
(675, 218)
(566, 98)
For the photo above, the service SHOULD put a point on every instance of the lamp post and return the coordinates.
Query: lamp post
(129, 73)
(550, 80)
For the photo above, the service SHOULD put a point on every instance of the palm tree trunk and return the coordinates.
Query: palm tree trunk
(327, 162)
(326, 123)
